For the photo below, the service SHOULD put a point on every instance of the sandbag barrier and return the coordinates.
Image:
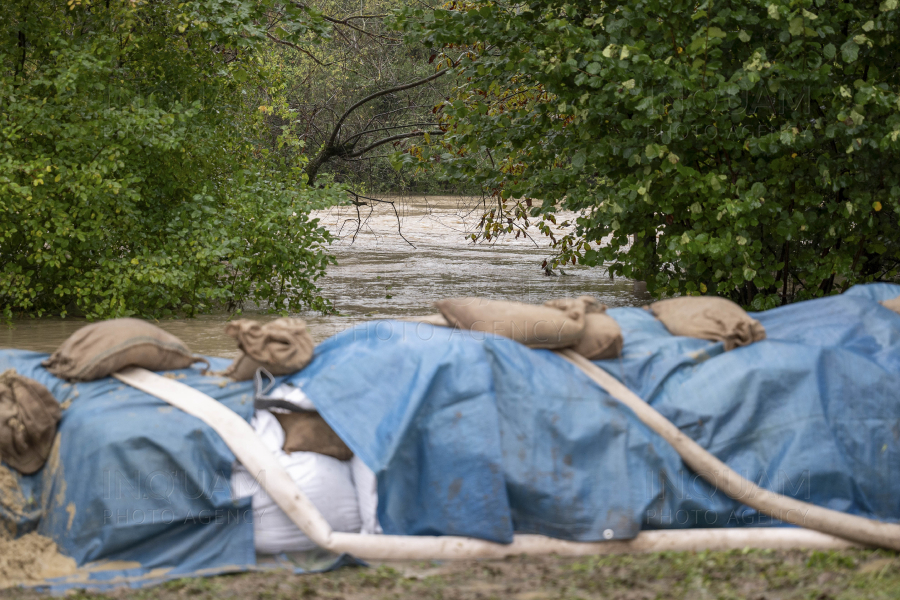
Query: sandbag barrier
(250, 451)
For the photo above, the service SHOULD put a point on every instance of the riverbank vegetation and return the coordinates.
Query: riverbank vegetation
(163, 157)
(132, 179)
(744, 149)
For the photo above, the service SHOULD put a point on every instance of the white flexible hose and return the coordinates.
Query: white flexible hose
(240, 437)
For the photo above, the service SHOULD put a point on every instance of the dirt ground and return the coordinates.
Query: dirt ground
(737, 574)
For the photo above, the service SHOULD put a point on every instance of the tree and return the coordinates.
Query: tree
(133, 177)
(354, 96)
(746, 149)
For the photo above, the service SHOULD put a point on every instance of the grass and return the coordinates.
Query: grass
(807, 575)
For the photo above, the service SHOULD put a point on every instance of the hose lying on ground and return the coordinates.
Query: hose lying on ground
(240, 437)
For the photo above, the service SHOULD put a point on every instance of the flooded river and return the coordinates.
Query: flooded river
(382, 275)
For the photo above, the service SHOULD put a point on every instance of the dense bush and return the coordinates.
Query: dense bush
(747, 149)
(131, 180)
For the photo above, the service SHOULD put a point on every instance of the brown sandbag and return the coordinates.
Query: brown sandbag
(709, 318)
(893, 304)
(437, 320)
(308, 432)
(100, 349)
(243, 368)
(282, 346)
(602, 335)
(534, 326)
(28, 417)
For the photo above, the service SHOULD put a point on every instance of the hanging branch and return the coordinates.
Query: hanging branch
(333, 148)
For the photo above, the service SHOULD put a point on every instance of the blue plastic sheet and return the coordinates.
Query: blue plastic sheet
(471, 434)
(132, 479)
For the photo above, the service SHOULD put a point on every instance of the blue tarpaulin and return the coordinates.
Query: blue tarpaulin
(475, 435)
(132, 479)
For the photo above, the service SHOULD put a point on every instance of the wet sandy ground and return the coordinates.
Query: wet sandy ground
(691, 576)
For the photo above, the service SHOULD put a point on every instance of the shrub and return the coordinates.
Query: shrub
(130, 177)
(747, 149)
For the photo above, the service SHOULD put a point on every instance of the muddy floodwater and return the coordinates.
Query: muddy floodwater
(391, 267)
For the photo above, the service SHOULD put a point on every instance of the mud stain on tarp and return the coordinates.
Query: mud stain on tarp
(70, 509)
(54, 480)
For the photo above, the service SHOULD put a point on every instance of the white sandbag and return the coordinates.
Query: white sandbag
(266, 426)
(328, 484)
(326, 481)
(366, 495)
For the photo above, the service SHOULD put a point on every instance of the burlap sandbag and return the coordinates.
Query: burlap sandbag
(534, 326)
(243, 368)
(308, 432)
(709, 318)
(100, 349)
(602, 336)
(893, 304)
(28, 417)
(437, 320)
(282, 346)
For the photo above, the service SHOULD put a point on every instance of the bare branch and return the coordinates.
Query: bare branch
(362, 133)
(379, 94)
(346, 22)
(297, 47)
(363, 31)
(361, 17)
(399, 136)
(394, 206)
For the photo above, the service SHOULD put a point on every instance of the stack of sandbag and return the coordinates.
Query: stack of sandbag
(578, 323)
(282, 347)
(29, 415)
(709, 318)
(100, 349)
(329, 483)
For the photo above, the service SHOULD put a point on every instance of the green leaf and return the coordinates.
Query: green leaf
(240, 75)
(578, 159)
(849, 51)
(829, 51)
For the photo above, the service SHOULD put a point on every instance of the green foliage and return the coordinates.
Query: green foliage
(747, 149)
(131, 176)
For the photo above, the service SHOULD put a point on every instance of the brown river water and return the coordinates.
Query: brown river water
(381, 275)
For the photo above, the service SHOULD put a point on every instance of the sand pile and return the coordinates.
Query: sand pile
(31, 559)
(10, 495)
